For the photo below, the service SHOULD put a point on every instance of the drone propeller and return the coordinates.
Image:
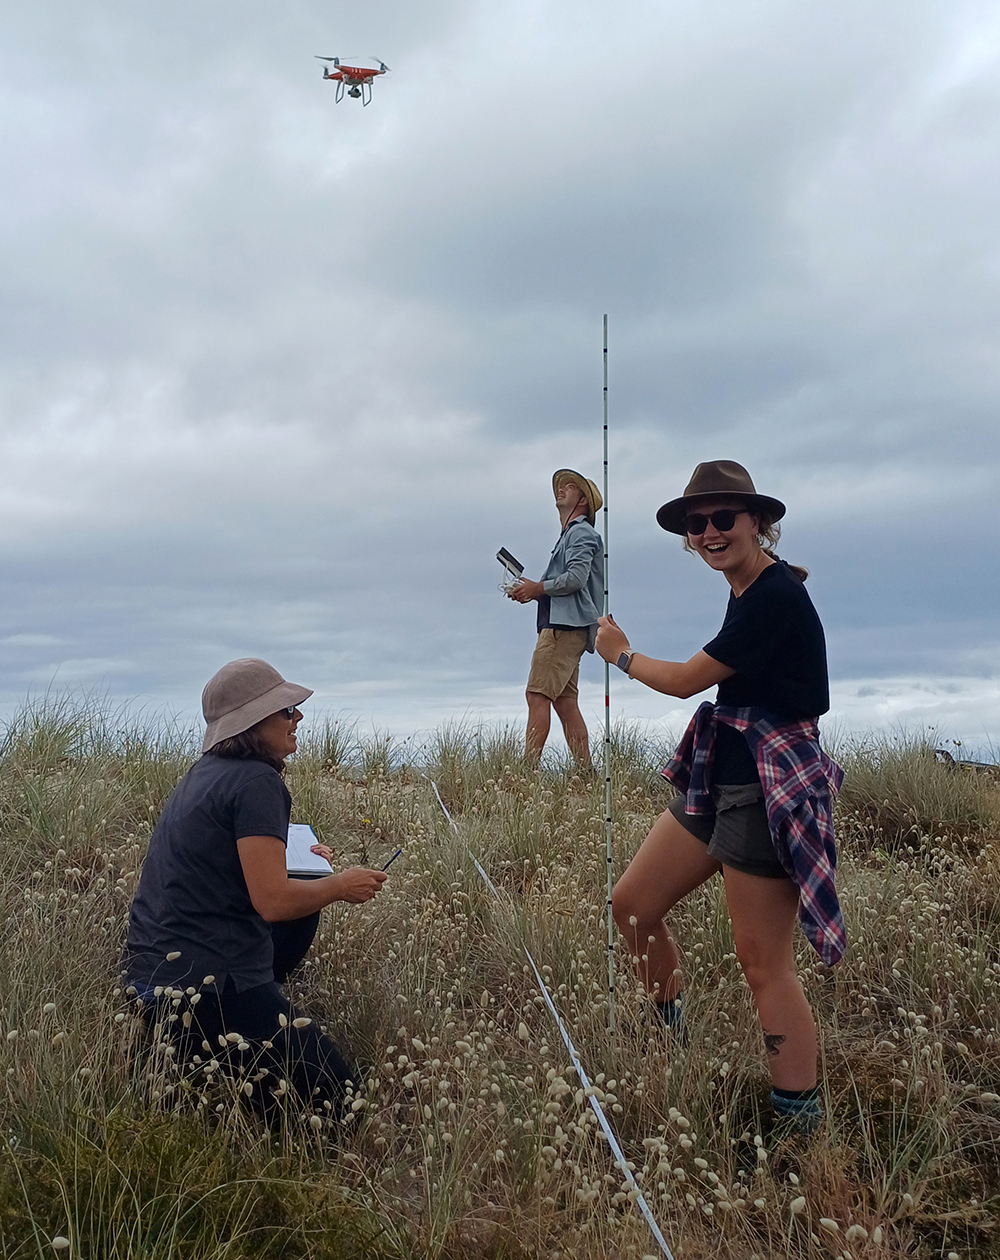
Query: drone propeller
(381, 63)
(335, 60)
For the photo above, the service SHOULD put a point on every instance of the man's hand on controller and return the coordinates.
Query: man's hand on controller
(526, 591)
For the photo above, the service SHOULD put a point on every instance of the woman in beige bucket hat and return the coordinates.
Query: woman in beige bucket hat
(216, 923)
(756, 786)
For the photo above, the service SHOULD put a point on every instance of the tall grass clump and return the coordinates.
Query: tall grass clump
(895, 790)
(469, 1135)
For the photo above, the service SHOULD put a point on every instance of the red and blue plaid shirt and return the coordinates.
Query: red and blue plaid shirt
(800, 782)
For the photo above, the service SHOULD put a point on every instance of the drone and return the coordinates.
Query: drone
(355, 80)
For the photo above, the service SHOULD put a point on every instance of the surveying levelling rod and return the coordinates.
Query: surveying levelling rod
(607, 720)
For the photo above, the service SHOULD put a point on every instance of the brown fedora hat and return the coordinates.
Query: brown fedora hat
(243, 693)
(587, 489)
(716, 479)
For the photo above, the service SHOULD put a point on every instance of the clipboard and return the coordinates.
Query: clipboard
(299, 861)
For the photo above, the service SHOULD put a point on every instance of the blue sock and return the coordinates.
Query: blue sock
(802, 1107)
(672, 1011)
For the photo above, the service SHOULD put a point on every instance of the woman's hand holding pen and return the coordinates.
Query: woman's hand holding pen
(359, 884)
(611, 640)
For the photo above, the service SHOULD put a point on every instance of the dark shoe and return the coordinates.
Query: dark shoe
(672, 1015)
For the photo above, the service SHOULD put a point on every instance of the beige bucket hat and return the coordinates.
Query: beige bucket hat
(587, 487)
(243, 693)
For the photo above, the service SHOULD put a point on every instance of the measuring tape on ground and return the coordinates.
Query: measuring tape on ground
(598, 1110)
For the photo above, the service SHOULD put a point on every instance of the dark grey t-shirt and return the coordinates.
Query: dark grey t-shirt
(192, 896)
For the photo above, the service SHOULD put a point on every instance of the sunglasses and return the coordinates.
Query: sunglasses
(289, 712)
(723, 520)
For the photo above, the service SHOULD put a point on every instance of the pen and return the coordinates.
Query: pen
(392, 859)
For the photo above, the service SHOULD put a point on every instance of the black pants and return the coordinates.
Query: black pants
(275, 1051)
(291, 943)
(303, 1057)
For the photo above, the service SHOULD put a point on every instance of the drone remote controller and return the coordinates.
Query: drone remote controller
(513, 569)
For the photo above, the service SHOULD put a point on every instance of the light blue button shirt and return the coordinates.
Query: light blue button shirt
(574, 578)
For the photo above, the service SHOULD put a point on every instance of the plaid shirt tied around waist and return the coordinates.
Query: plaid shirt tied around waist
(800, 782)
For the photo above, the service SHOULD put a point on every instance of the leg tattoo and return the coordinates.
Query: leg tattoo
(772, 1044)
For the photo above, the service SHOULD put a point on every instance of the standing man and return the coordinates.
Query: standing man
(570, 599)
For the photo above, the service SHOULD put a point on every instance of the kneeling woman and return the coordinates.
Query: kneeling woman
(216, 922)
(756, 786)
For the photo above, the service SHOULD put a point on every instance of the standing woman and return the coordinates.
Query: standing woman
(215, 915)
(756, 787)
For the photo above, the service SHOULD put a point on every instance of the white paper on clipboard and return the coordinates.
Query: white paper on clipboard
(298, 858)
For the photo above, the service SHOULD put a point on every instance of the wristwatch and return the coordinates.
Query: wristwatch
(624, 661)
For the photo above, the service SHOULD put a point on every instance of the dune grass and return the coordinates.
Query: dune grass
(469, 1135)
(897, 790)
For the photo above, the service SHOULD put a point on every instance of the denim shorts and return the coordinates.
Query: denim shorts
(737, 833)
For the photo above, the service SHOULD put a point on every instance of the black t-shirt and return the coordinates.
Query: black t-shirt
(773, 638)
(192, 896)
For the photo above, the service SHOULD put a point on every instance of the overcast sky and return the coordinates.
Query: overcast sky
(279, 375)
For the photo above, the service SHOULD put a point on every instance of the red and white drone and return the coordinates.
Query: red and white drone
(354, 79)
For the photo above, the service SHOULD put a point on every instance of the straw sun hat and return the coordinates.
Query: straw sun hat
(586, 486)
(242, 694)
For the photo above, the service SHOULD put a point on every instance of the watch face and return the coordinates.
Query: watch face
(623, 661)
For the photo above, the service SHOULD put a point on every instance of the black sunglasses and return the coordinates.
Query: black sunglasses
(723, 520)
(289, 712)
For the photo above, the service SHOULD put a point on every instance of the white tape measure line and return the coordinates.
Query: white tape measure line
(598, 1110)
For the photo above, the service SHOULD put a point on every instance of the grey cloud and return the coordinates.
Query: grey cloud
(278, 376)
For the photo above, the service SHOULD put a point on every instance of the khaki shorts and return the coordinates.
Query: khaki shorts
(555, 664)
(737, 834)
